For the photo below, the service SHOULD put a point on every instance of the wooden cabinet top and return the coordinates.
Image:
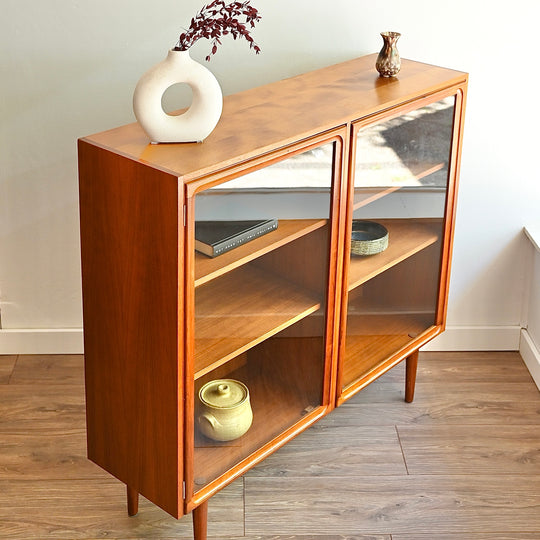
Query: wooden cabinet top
(262, 119)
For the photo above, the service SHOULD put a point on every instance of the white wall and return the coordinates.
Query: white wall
(68, 69)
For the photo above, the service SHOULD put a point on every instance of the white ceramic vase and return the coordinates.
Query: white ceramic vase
(198, 121)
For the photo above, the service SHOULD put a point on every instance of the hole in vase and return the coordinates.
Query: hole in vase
(176, 99)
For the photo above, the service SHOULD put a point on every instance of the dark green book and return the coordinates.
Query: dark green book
(216, 237)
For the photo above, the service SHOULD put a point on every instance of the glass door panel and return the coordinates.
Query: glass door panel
(260, 304)
(400, 183)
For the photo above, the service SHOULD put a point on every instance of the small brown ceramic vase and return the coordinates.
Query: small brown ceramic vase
(388, 62)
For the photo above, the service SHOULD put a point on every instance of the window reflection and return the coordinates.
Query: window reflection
(410, 150)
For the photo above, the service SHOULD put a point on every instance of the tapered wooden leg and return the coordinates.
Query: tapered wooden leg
(200, 521)
(410, 376)
(132, 501)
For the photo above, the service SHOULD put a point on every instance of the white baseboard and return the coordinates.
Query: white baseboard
(476, 338)
(41, 341)
(70, 340)
(531, 355)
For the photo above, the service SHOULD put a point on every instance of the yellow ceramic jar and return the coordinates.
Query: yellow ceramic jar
(225, 410)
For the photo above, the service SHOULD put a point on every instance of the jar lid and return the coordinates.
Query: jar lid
(223, 393)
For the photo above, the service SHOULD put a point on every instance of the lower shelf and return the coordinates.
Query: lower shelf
(283, 388)
(372, 339)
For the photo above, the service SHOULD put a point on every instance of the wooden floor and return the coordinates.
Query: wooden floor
(461, 462)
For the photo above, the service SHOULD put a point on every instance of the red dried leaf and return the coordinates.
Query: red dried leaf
(218, 19)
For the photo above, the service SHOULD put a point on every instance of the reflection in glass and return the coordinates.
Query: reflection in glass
(294, 188)
(260, 308)
(410, 150)
(308, 169)
(401, 176)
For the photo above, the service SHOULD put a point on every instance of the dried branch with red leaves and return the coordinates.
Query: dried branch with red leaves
(219, 19)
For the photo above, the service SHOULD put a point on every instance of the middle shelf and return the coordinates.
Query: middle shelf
(243, 308)
(406, 237)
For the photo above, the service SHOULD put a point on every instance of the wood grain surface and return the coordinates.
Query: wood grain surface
(361, 450)
(207, 268)
(471, 449)
(131, 239)
(77, 509)
(391, 504)
(459, 463)
(411, 237)
(6, 368)
(469, 536)
(261, 119)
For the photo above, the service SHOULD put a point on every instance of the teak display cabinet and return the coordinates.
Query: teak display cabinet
(292, 314)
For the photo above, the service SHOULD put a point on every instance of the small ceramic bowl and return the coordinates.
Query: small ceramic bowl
(368, 237)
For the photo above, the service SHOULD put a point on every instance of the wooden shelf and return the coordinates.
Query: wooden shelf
(373, 338)
(240, 310)
(284, 388)
(406, 237)
(288, 230)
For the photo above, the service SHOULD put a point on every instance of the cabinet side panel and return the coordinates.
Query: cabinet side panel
(129, 244)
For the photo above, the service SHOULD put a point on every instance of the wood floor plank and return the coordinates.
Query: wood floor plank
(50, 454)
(383, 392)
(469, 439)
(450, 403)
(7, 363)
(66, 509)
(471, 449)
(474, 366)
(469, 536)
(392, 505)
(28, 406)
(335, 446)
(49, 369)
(277, 537)
(462, 367)
(312, 537)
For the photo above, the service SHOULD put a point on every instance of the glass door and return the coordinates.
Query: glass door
(261, 264)
(400, 174)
